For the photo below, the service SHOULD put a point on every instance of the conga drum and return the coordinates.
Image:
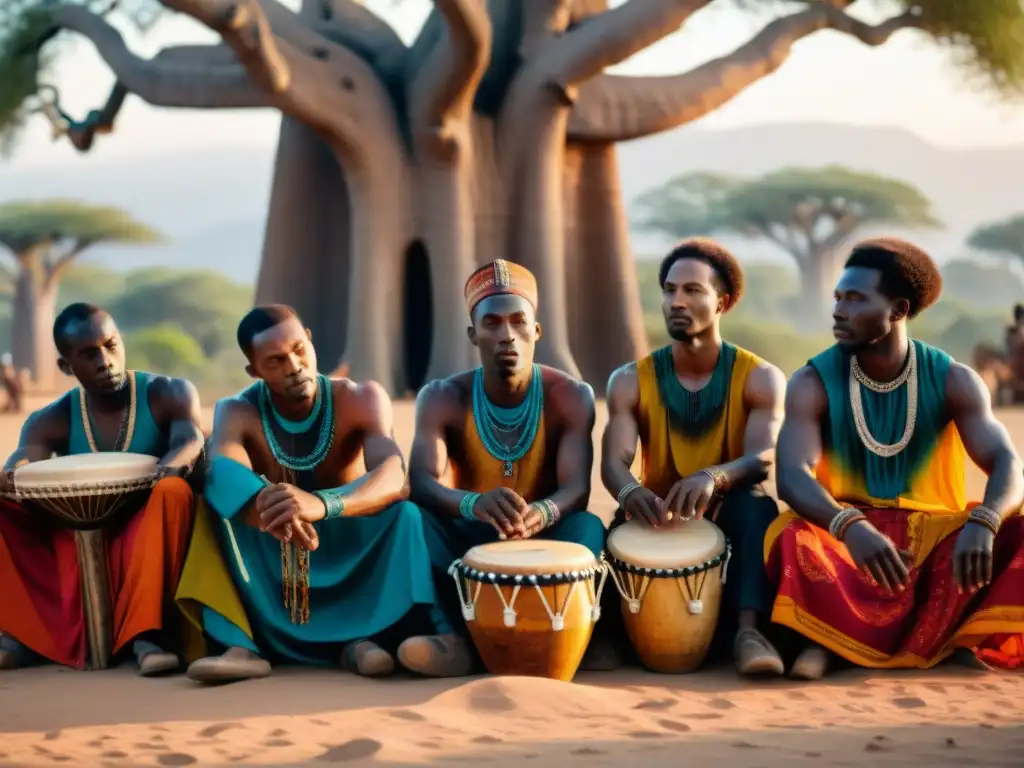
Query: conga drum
(530, 605)
(670, 579)
(89, 493)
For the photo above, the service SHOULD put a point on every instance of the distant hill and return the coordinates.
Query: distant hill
(212, 203)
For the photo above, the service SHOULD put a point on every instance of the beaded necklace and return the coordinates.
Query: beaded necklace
(692, 413)
(523, 419)
(907, 376)
(125, 432)
(324, 441)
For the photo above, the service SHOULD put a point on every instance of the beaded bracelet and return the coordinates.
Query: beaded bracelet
(334, 503)
(986, 517)
(467, 504)
(626, 490)
(838, 523)
(717, 477)
(549, 511)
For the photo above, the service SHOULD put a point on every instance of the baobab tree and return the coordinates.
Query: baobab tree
(1003, 238)
(400, 168)
(808, 213)
(43, 238)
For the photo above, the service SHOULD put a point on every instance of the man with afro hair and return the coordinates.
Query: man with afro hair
(706, 414)
(882, 560)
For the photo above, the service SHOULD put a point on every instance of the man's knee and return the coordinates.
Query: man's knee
(172, 496)
(584, 528)
(407, 513)
(747, 514)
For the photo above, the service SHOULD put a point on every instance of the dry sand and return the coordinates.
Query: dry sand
(51, 716)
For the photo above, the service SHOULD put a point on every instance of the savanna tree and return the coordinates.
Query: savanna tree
(1000, 238)
(401, 167)
(43, 238)
(808, 213)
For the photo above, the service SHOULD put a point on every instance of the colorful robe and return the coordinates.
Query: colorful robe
(916, 498)
(367, 574)
(42, 605)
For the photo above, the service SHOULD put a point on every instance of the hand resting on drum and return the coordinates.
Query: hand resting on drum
(690, 497)
(506, 510)
(645, 505)
(287, 512)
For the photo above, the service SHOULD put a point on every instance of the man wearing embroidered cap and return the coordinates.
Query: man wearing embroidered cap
(503, 451)
(883, 561)
(706, 414)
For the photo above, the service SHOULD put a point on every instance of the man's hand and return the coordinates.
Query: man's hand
(643, 504)
(533, 521)
(972, 557)
(284, 507)
(875, 554)
(504, 509)
(165, 470)
(690, 497)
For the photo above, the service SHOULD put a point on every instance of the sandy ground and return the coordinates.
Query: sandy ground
(51, 716)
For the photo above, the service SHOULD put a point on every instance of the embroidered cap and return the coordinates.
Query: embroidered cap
(500, 276)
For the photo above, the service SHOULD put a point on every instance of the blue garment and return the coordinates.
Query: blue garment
(367, 575)
(146, 437)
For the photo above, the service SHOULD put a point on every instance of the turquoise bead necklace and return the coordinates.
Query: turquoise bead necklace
(523, 419)
(693, 413)
(325, 403)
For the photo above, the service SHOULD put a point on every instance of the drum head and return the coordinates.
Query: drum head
(85, 469)
(678, 544)
(529, 557)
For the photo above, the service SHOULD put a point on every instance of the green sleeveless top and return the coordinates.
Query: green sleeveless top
(146, 439)
(928, 473)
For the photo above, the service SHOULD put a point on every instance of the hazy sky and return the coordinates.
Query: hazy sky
(910, 83)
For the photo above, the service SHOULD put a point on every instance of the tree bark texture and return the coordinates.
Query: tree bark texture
(491, 136)
(35, 301)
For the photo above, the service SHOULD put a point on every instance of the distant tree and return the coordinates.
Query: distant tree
(164, 349)
(1002, 238)
(204, 304)
(809, 213)
(43, 238)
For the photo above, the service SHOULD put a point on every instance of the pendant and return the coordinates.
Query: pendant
(507, 469)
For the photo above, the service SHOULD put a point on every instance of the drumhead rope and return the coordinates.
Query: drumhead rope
(632, 581)
(460, 571)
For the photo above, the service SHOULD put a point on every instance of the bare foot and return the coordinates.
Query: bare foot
(755, 655)
(812, 664)
(366, 658)
(436, 656)
(233, 665)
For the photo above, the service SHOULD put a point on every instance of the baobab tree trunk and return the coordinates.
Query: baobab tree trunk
(35, 301)
(814, 305)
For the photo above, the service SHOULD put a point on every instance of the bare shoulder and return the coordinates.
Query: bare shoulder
(572, 398)
(805, 394)
(234, 415)
(365, 403)
(623, 392)
(174, 391)
(442, 401)
(50, 423)
(965, 389)
(765, 386)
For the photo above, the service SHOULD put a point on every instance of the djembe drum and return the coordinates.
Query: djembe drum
(89, 493)
(670, 579)
(530, 606)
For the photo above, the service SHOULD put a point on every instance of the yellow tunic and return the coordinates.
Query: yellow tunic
(667, 455)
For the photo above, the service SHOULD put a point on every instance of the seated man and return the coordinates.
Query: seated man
(309, 552)
(882, 560)
(42, 610)
(504, 451)
(707, 414)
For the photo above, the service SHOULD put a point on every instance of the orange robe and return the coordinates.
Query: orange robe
(42, 605)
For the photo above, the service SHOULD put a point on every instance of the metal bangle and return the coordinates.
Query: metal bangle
(837, 522)
(626, 490)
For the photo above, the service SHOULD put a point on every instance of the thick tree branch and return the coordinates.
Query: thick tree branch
(56, 266)
(159, 83)
(356, 26)
(615, 35)
(619, 108)
(446, 85)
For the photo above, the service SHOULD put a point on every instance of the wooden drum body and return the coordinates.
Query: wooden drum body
(670, 579)
(530, 606)
(89, 493)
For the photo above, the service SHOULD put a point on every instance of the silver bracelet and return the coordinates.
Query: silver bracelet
(626, 490)
(838, 522)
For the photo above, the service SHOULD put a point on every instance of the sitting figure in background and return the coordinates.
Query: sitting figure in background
(503, 451)
(305, 549)
(706, 414)
(113, 409)
(882, 561)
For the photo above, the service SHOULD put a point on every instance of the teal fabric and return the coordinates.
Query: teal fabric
(368, 574)
(146, 438)
(450, 538)
(886, 417)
